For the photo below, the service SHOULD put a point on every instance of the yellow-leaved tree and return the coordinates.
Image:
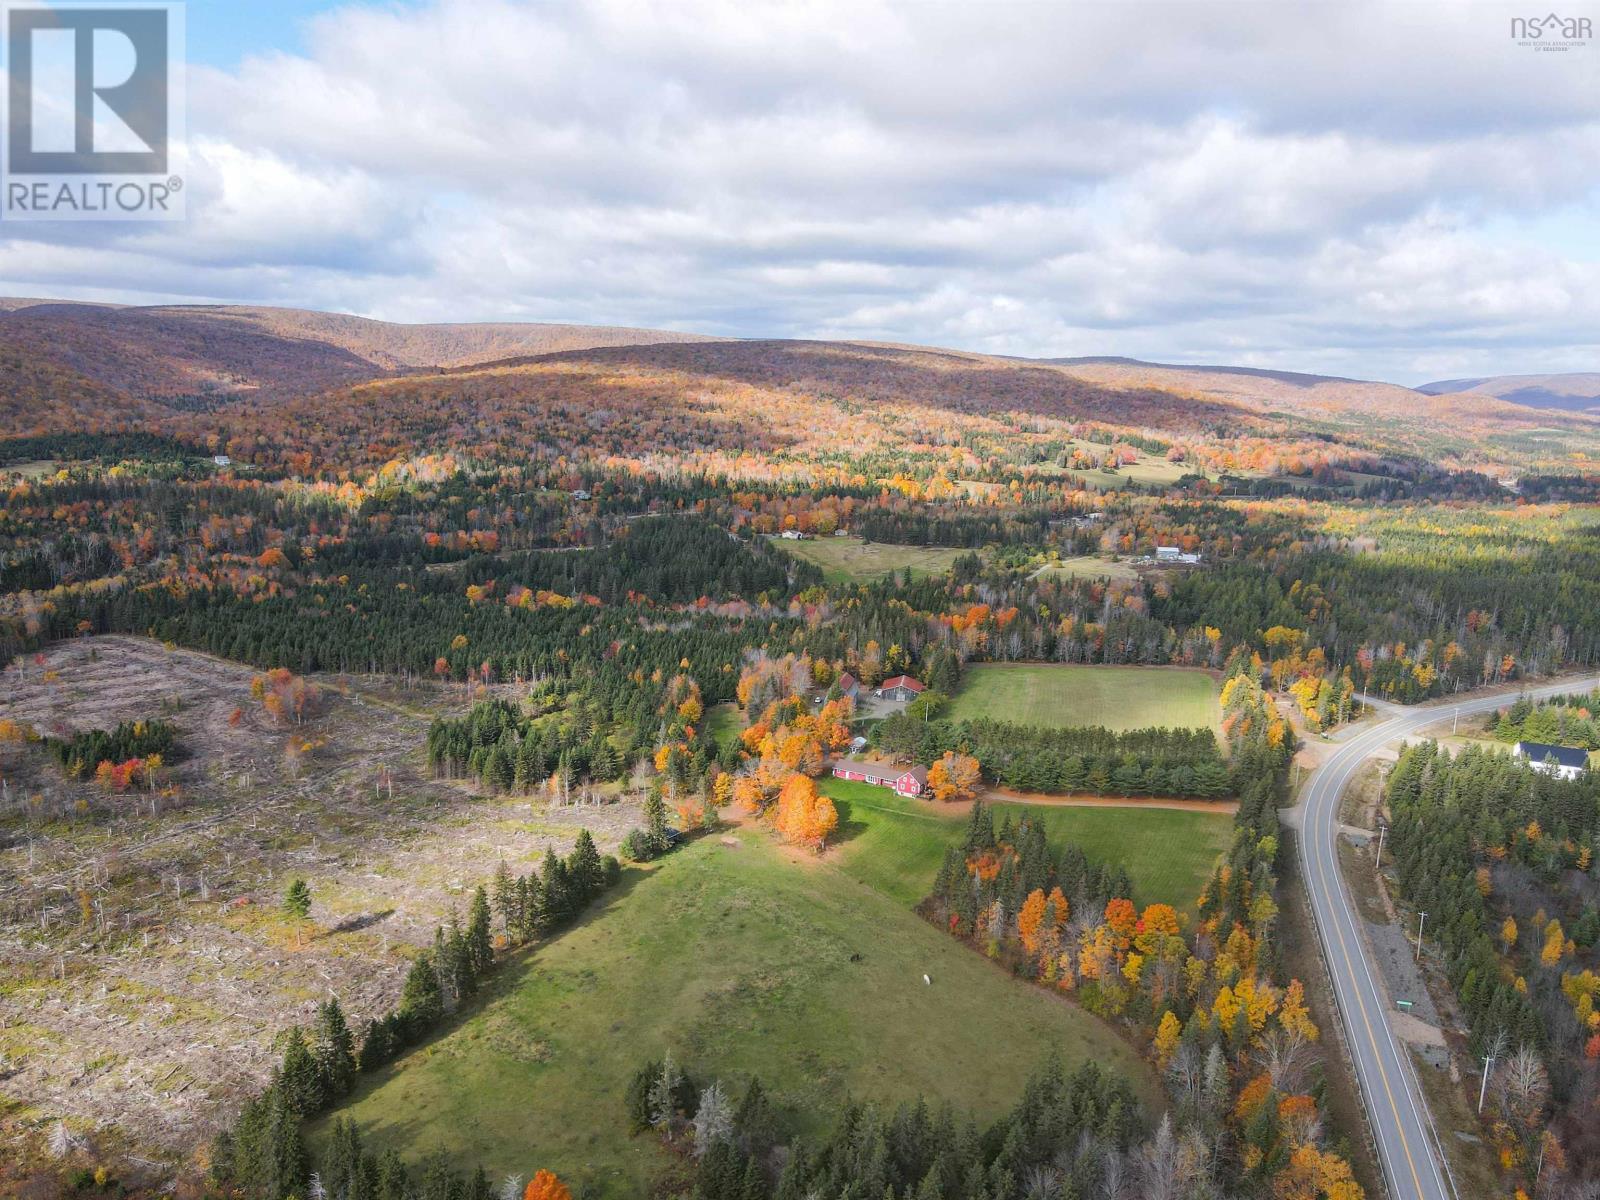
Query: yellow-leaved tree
(1293, 1014)
(1167, 1035)
(1555, 944)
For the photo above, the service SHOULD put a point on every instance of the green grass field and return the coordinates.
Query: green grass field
(1084, 567)
(36, 468)
(895, 845)
(724, 722)
(1063, 696)
(738, 959)
(850, 560)
(1146, 469)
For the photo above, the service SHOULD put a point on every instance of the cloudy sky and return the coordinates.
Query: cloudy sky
(1397, 191)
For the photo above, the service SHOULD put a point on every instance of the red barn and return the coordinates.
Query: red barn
(900, 687)
(907, 781)
(913, 782)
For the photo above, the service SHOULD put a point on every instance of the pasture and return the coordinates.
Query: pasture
(1146, 469)
(895, 845)
(1061, 696)
(1085, 567)
(741, 958)
(851, 560)
(725, 722)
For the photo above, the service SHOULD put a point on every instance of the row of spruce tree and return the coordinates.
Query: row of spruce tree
(263, 1155)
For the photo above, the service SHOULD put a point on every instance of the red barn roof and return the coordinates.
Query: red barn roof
(904, 681)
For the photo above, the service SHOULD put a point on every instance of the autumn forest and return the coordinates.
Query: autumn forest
(462, 655)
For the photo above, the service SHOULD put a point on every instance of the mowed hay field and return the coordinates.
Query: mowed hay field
(737, 958)
(1063, 696)
(1085, 567)
(895, 845)
(724, 722)
(850, 560)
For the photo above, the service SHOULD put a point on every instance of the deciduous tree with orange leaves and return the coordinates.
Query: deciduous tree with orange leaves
(1030, 919)
(802, 815)
(1122, 918)
(1157, 924)
(1315, 1174)
(953, 777)
(546, 1185)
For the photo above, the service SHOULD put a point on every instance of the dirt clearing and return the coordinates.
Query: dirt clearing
(146, 965)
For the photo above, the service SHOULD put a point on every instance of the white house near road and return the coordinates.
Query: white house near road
(1564, 762)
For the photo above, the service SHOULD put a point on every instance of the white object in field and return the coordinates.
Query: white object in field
(927, 981)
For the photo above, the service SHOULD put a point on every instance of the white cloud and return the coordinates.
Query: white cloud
(1366, 188)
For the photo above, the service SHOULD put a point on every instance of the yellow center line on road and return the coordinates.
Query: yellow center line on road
(1366, 1021)
(1329, 790)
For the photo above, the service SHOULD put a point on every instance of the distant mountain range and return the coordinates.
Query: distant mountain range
(165, 351)
(1578, 392)
(1297, 378)
(71, 366)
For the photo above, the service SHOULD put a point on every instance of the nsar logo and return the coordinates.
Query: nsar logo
(1552, 32)
(94, 112)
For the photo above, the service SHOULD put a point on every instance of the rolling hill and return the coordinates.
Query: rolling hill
(195, 355)
(238, 371)
(1577, 392)
(1289, 391)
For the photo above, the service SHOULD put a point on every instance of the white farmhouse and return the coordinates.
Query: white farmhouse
(1564, 762)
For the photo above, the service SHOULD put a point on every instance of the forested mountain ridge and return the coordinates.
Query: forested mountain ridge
(1574, 392)
(238, 373)
(1333, 398)
(192, 355)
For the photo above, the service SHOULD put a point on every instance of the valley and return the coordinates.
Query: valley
(442, 753)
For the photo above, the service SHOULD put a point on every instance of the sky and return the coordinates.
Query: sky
(1395, 191)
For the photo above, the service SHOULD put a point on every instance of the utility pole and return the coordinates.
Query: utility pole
(1383, 828)
(1483, 1088)
(1422, 919)
(1455, 721)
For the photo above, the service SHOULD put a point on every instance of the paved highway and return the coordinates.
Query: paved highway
(1407, 1146)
